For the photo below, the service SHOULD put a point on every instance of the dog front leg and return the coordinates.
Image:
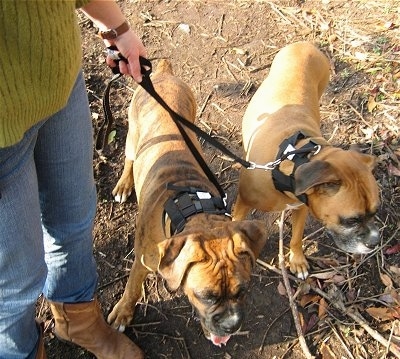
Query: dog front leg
(240, 209)
(124, 187)
(122, 313)
(298, 262)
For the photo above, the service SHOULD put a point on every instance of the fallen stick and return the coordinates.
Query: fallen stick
(292, 303)
(394, 349)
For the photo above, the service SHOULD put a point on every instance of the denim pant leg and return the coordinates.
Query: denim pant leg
(64, 164)
(47, 192)
(22, 266)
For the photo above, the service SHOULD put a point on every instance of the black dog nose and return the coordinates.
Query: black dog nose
(228, 322)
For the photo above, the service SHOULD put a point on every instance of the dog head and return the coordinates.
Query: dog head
(214, 269)
(342, 192)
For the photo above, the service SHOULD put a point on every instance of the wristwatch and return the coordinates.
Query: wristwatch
(114, 33)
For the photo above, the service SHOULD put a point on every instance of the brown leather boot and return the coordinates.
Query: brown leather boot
(84, 325)
(41, 353)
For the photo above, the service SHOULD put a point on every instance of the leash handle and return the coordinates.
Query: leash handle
(145, 64)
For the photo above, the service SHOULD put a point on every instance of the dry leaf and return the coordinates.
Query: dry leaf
(394, 171)
(371, 104)
(360, 56)
(393, 250)
(324, 275)
(281, 289)
(383, 314)
(311, 323)
(309, 298)
(111, 136)
(386, 280)
(328, 262)
(322, 309)
(389, 25)
(338, 279)
(395, 270)
(395, 295)
(327, 352)
(391, 297)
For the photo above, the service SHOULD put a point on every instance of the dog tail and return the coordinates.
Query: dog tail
(164, 66)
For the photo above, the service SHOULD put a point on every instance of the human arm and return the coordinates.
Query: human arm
(106, 14)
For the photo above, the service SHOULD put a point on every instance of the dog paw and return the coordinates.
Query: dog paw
(302, 275)
(122, 198)
(120, 317)
(299, 266)
(121, 192)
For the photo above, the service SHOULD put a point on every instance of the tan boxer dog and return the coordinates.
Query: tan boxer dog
(335, 185)
(182, 230)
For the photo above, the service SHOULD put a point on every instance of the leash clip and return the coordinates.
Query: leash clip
(267, 167)
(317, 149)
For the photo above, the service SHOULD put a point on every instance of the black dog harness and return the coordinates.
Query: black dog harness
(298, 156)
(187, 202)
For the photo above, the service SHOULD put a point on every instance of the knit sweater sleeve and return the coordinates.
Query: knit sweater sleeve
(80, 3)
(40, 59)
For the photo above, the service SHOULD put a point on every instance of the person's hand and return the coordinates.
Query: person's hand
(131, 47)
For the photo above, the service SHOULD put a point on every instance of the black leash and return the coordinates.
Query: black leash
(146, 69)
(147, 84)
(106, 126)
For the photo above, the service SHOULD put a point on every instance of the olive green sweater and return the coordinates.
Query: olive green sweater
(40, 57)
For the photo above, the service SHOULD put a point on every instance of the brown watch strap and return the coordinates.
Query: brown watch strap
(114, 33)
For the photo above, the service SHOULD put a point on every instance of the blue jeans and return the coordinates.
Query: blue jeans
(47, 209)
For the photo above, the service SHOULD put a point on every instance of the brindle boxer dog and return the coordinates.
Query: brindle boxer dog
(182, 230)
(335, 185)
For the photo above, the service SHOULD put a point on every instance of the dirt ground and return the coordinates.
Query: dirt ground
(223, 49)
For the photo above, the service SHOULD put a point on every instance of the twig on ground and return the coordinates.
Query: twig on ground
(359, 115)
(112, 281)
(147, 305)
(292, 303)
(221, 24)
(394, 349)
(360, 321)
(204, 104)
(261, 348)
(340, 339)
(178, 339)
(228, 69)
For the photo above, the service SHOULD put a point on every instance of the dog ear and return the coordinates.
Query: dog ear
(251, 234)
(368, 160)
(176, 254)
(315, 173)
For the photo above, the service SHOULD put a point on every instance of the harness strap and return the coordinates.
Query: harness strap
(187, 202)
(299, 156)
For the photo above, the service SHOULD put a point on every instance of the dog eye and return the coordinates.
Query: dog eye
(208, 298)
(241, 293)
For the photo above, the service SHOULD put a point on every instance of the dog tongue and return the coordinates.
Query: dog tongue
(219, 340)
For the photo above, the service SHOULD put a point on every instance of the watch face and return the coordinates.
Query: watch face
(114, 33)
(108, 35)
